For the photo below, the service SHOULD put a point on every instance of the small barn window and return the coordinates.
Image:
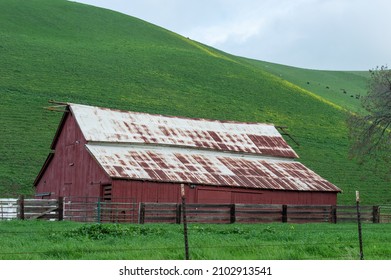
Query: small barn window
(106, 193)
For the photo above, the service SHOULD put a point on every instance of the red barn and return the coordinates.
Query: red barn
(99, 152)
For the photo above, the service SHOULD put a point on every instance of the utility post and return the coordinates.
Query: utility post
(359, 224)
(184, 221)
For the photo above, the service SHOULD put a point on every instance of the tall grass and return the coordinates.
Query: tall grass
(74, 241)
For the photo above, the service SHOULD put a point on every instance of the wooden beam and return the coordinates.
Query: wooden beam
(283, 132)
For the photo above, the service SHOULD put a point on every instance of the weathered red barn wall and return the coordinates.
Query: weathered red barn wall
(143, 191)
(72, 171)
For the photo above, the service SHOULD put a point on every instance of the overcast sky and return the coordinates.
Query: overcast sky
(316, 34)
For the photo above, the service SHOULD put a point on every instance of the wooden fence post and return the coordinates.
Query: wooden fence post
(60, 208)
(21, 207)
(98, 212)
(359, 225)
(185, 235)
(178, 213)
(141, 213)
(333, 214)
(232, 214)
(375, 214)
(284, 213)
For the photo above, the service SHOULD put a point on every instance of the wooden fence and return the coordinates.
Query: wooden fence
(96, 209)
(29, 209)
(8, 208)
(255, 213)
(122, 210)
(385, 213)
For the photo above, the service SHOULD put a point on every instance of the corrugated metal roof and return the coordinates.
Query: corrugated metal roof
(170, 164)
(107, 125)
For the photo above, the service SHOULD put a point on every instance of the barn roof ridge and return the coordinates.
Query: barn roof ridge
(176, 117)
(192, 150)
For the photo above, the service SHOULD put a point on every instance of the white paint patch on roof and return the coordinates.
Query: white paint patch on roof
(106, 125)
(179, 165)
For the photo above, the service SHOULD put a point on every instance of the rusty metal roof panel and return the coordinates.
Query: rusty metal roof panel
(206, 167)
(107, 125)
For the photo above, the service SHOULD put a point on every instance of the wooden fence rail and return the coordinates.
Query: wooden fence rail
(122, 210)
(255, 213)
(96, 209)
(30, 209)
(259, 213)
(385, 213)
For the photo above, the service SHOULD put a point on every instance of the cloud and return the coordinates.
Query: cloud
(238, 32)
(259, 20)
(320, 34)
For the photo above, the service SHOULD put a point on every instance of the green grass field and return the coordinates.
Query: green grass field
(342, 88)
(77, 241)
(65, 51)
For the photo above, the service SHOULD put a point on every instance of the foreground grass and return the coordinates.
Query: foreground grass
(77, 241)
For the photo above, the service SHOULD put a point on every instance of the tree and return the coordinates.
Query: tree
(371, 132)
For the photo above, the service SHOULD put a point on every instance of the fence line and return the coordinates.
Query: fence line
(255, 213)
(8, 208)
(29, 209)
(385, 213)
(126, 210)
(96, 209)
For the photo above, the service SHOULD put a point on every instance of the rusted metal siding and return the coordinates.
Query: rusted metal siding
(106, 125)
(71, 171)
(206, 168)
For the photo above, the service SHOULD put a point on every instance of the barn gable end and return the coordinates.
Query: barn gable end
(69, 169)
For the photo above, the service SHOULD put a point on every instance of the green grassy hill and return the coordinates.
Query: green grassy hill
(65, 51)
(344, 88)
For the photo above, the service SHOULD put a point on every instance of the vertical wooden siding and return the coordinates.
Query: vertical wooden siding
(72, 171)
(143, 191)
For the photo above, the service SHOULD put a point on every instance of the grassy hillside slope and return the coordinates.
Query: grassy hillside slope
(65, 51)
(344, 88)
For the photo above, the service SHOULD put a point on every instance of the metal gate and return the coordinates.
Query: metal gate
(96, 209)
